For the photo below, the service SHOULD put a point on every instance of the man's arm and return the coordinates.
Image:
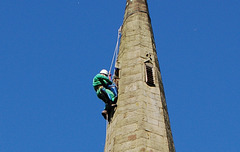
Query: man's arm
(102, 77)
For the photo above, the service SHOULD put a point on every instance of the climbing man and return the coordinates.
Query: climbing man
(106, 90)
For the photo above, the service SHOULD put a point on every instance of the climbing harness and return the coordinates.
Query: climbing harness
(115, 54)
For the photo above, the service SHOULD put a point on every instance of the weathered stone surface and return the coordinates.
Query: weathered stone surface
(141, 122)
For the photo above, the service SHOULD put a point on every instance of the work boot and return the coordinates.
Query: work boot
(104, 114)
(113, 105)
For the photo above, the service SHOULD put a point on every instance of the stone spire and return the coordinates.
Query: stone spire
(140, 122)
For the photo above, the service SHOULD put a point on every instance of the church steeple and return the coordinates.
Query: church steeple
(141, 122)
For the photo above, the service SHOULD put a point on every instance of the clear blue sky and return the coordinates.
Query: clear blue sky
(51, 49)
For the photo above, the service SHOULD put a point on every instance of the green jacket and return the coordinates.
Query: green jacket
(101, 80)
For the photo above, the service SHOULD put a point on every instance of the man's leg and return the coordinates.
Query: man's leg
(114, 90)
(107, 97)
(110, 95)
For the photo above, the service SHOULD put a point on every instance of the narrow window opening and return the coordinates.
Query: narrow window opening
(149, 74)
(116, 72)
(116, 76)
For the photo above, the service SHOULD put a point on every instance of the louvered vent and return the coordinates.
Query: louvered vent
(149, 74)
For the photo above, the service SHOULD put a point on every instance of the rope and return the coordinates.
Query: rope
(115, 54)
